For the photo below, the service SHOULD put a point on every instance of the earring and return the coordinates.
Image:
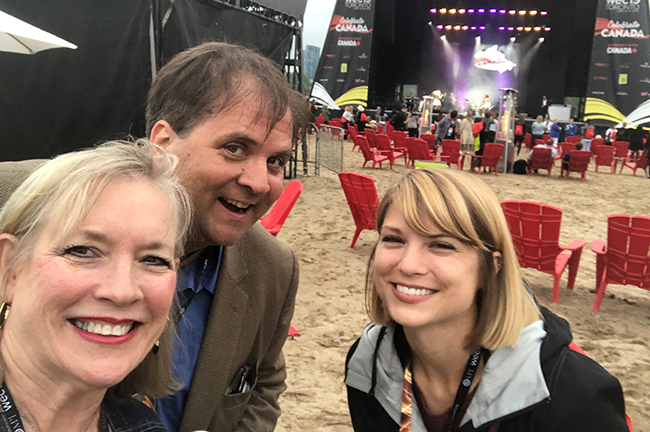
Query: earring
(156, 347)
(4, 313)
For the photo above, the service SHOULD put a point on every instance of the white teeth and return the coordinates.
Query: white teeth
(414, 291)
(105, 329)
(237, 204)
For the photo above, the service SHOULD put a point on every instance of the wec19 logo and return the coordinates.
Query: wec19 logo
(623, 6)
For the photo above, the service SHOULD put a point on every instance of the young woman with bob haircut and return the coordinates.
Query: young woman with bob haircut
(458, 342)
(89, 247)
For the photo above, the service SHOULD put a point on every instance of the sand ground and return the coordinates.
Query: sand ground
(330, 312)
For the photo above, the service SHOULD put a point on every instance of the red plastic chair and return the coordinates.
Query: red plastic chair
(431, 141)
(640, 163)
(626, 257)
(574, 139)
(320, 120)
(605, 157)
(361, 195)
(369, 154)
(490, 158)
(451, 153)
(384, 148)
(622, 148)
(352, 133)
(595, 143)
(564, 149)
(528, 141)
(418, 149)
(546, 137)
(542, 158)
(371, 135)
(578, 162)
(335, 122)
(399, 143)
(389, 128)
(539, 142)
(535, 230)
(275, 219)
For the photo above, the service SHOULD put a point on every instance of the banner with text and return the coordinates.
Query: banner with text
(619, 81)
(342, 75)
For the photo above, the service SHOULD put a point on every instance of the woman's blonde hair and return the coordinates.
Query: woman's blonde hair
(59, 195)
(539, 119)
(465, 208)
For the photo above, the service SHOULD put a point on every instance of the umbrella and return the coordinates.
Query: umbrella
(19, 37)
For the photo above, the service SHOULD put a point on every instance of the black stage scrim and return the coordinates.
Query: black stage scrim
(619, 80)
(345, 60)
(60, 100)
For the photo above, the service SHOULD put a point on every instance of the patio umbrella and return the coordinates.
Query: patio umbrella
(19, 37)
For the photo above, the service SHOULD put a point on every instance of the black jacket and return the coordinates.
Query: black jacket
(583, 395)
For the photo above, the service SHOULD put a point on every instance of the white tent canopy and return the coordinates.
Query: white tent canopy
(19, 37)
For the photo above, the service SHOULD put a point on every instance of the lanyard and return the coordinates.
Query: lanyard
(459, 400)
(12, 417)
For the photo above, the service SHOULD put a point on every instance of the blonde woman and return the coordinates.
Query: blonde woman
(537, 130)
(457, 342)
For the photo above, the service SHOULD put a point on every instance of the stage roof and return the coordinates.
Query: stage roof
(294, 8)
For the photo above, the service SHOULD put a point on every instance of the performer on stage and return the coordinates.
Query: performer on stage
(486, 105)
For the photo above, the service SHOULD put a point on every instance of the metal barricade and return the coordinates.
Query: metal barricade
(330, 147)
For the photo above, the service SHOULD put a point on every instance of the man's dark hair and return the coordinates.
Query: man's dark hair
(453, 114)
(488, 115)
(203, 81)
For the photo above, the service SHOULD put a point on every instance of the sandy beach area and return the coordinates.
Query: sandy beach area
(330, 312)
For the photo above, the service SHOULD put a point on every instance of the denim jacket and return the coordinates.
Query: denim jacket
(132, 416)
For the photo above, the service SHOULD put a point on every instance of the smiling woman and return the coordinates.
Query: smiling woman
(89, 247)
(457, 341)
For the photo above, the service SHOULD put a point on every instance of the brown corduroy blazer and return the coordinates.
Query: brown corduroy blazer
(248, 324)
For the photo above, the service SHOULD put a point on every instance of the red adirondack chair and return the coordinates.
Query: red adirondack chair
(431, 141)
(539, 141)
(622, 148)
(352, 131)
(564, 149)
(595, 143)
(389, 128)
(384, 148)
(399, 143)
(371, 135)
(605, 157)
(625, 258)
(361, 195)
(528, 141)
(369, 154)
(275, 219)
(335, 122)
(490, 158)
(418, 149)
(639, 163)
(578, 162)
(546, 137)
(542, 158)
(320, 120)
(451, 150)
(574, 139)
(535, 230)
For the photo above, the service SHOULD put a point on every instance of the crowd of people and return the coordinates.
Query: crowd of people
(139, 293)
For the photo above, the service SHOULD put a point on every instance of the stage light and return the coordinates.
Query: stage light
(434, 10)
(543, 13)
(512, 39)
(520, 29)
(448, 27)
(533, 12)
(481, 10)
(547, 29)
(493, 11)
(443, 37)
(452, 11)
(461, 11)
(457, 27)
(474, 28)
(512, 12)
(481, 28)
(502, 28)
(470, 10)
(502, 11)
(511, 28)
(465, 27)
(439, 27)
(522, 12)
(478, 38)
(541, 39)
(537, 28)
(429, 22)
(443, 10)
(527, 28)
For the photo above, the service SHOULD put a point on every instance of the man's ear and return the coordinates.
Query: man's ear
(498, 261)
(8, 245)
(162, 134)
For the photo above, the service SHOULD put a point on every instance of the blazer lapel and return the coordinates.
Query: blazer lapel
(218, 348)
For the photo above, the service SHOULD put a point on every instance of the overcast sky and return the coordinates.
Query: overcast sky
(317, 19)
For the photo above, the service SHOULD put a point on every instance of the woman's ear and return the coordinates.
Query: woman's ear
(498, 261)
(8, 245)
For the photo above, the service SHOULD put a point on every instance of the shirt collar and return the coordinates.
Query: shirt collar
(205, 266)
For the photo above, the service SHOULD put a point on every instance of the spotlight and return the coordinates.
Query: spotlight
(543, 13)
(448, 27)
(512, 39)
(439, 27)
(429, 22)
(533, 12)
(493, 11)
(502, 28)
(461, 11)
(520, 29)
(527, 29)
(537, 28)
(511, 28)
(470, 10)
(452, 11)
(457, 27)
(474, 28)
(547, 29)
(512, 12)
(443, 10)
(478, 38)
(443, 37)
(502, 11)
(481, 28)
(481, 10)
(522, 12)
(541, 39)
(434, 10)
(465, 27)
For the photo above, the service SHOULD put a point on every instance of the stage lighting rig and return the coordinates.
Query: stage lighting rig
(452, 17)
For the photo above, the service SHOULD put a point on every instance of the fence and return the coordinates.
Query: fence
(322, 146)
